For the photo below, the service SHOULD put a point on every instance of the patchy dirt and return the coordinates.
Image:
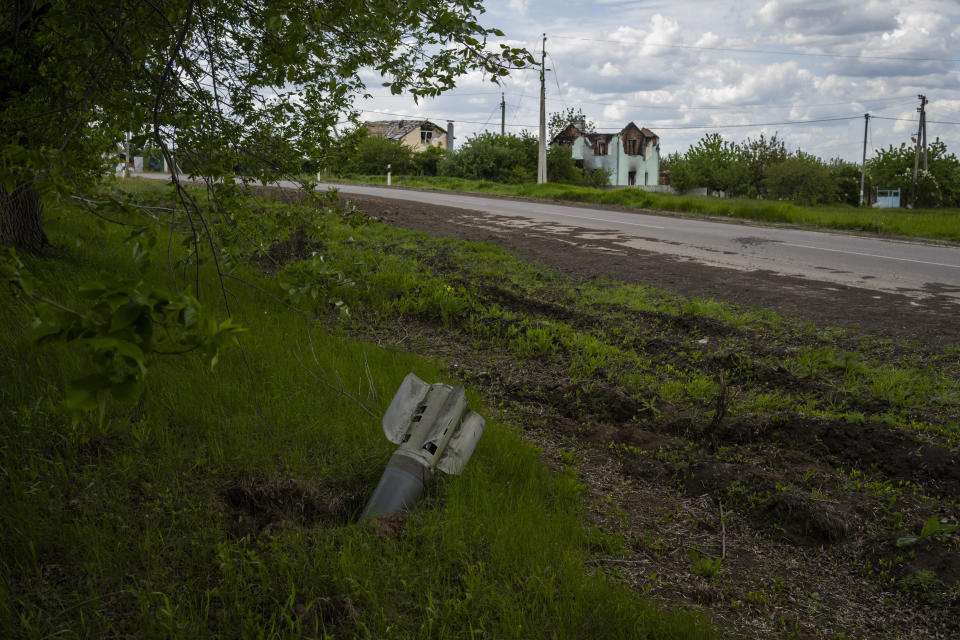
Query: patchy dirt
(882, 314)
(265, 505)
(801, 514)
(297, 247)
(327, 610)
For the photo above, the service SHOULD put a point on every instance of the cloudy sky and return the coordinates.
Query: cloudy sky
(687, 67)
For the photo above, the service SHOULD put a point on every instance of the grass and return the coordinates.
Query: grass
(191, 515)
(597, 334)
(932, 224)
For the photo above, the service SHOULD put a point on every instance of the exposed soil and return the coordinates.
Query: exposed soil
(826, 304)
(263, 505)
(807, 550)
(803, 512)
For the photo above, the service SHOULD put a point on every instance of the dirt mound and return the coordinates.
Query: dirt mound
(266, 504)
(871, 446)
(281, 252)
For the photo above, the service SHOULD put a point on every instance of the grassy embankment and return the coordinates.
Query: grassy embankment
(829, 437)
(189, 515)
(934, 224)
(814, 436)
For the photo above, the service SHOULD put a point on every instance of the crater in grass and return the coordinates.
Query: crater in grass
(267, 504)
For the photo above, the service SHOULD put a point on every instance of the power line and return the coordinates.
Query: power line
(670, 128)
(914, 121)
(428, 117)
(490, 117)
(642, 105)
(516, 110)
(754, 124)
(740, 106)
(765, 51)
(553, 65)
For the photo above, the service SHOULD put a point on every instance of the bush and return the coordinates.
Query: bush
(802, 178)
(427, 162)
(497, 158)
(846, 177)
(374, 153)
(892, 168)
(512, 159)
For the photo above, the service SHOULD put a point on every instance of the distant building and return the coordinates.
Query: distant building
(631, 157)
(416, 134)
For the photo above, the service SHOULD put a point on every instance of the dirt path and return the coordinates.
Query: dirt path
(934, 323)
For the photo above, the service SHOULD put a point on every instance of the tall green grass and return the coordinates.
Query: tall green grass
(127, 529)
(934, 224)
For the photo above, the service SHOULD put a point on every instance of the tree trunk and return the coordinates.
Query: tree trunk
(21, 226)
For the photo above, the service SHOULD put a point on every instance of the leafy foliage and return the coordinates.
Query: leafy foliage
(712, 163)
(892, 168)
(755, 158)
(427, 162)
(763, 168)
(124, 325)
(801, 178)
(374, 153)
(559, 120)
(932, 527)
(499, 158)
(512, 159)
(845, 177)
(227, 87)
(223, 90)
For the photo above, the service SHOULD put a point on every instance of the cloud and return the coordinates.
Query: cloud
(519, 6)
(826, 17)
(922, 44)
(622, 60)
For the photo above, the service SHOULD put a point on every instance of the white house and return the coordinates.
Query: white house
(631, 157)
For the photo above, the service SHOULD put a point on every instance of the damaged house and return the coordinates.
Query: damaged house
(631, 157)
(418, 135)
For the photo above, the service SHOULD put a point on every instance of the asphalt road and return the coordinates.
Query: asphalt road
(912, 267)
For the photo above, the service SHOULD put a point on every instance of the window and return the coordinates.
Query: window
(632, 178)
(426, 136)
(601, 147)
(630, 146)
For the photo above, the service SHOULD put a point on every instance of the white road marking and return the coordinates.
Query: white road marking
(871, 255)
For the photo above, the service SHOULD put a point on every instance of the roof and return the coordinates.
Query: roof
(571, 133)
(397, 129)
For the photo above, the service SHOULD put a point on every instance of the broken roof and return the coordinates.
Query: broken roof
(571, 132)
(397, 129)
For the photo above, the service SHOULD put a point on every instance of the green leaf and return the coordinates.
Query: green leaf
(125, 316)
(274, 23)
(930, 527)
(908, 541)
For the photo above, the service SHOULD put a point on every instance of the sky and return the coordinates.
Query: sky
(684, 68)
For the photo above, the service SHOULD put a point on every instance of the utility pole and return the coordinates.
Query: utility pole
(503, 115)
(542, 155)
(923, 126)
(128, 161)
(916, 153)
(863, 166)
